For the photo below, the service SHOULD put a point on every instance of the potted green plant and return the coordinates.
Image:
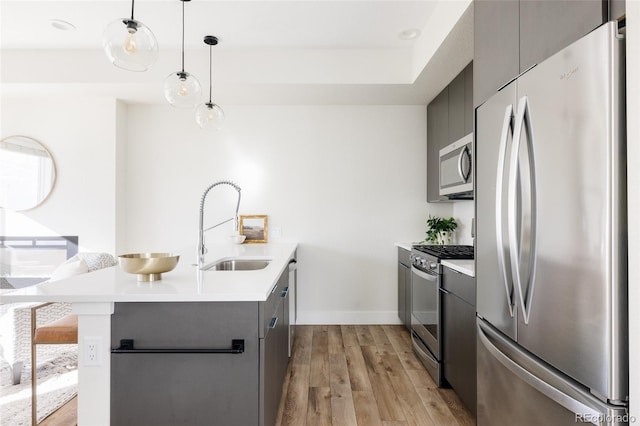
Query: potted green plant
(440, 230)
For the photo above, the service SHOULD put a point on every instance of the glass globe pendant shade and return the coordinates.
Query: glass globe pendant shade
(182, 90)
(209, 115)
(130, 45)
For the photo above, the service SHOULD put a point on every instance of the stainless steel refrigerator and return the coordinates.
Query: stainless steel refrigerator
(551, 256)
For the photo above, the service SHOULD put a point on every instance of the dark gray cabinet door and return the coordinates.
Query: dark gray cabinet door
(547, 26)
(468, 99)
(496, 46)
(404, 287)
(273, 367)
(437, 138)
(185, 388)
(456, 108)
(459, 338)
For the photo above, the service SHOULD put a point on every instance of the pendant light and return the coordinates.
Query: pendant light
(208, 114)
(129, 44)
(182, 89)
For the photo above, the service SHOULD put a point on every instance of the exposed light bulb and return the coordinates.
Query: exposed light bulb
(183, 91)
(130, 43)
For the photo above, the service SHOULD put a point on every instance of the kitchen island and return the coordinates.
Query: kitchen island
(95, 295)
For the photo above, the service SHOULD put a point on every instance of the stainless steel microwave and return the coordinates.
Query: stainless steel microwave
(456, 168)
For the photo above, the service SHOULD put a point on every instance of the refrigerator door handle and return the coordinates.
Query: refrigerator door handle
(568, 401)
(502, 158)
(523, 121)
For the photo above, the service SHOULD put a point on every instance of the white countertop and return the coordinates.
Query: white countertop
(404, 245)
(184, 284)
(464, 266)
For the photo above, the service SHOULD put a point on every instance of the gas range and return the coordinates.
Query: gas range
(427, 257)
(446, 251)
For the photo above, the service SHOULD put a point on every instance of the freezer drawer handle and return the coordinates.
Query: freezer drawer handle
(567, 401)
(127, 347)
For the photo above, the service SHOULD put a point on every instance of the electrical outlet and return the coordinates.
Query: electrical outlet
(92, 351)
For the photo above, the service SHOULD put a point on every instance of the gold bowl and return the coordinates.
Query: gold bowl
(148, 266)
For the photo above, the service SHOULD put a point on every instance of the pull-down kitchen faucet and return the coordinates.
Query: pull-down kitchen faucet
(201, 248)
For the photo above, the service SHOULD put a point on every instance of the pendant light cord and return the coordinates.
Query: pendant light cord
(183, 36)
(132, 2)
(210, 73)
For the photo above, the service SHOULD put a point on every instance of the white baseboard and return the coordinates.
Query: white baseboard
(347, 317)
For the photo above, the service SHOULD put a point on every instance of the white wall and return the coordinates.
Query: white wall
(80, 135)
(346, 182)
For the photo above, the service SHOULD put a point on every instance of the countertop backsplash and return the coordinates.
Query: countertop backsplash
(464, 212)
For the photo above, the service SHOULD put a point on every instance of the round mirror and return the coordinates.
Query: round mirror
(27, 173)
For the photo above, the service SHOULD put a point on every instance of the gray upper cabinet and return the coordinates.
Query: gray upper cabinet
(449, 117)
(456, 108)
(468, 99)
(437, 138)
(512, 36)
(546, 27)
(495, 46)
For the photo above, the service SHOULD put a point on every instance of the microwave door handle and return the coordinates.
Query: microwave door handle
(460, 158)
(502, 158)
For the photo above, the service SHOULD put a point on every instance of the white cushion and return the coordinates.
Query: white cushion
(70, 268)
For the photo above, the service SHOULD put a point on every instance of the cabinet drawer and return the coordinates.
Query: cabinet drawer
(459, 284)
(268, 308)
(181, 325)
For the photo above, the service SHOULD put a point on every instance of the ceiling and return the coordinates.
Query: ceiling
(297, 52)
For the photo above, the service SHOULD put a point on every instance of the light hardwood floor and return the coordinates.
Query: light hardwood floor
(343, 375)
(364, 375)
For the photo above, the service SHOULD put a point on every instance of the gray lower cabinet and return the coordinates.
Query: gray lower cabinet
(178, 363)
(404, 287)
(459, 339)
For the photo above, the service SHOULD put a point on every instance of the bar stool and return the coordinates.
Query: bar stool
(58, 332)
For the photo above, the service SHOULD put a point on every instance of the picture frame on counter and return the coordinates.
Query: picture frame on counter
(254, 227)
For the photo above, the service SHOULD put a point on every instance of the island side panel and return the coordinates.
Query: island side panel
(186, 389)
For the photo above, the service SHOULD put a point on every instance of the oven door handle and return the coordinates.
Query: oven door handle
(422, 274)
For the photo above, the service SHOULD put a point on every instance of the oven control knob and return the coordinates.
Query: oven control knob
(423, 263)
(433, 265)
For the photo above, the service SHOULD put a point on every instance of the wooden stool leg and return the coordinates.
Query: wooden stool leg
(34, 387)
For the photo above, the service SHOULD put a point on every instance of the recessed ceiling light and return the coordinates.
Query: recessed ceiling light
(61, 25)
(409, 34)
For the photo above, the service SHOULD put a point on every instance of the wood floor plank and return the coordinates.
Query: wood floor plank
(364, 335)
(335, 340)
(338, 370)
(379, 335)
(297, 397)
(349, 336)
(319, 373)
(301, 351)
(319, 407)
(358, 375)
(366, 407)
(386, 398)
(414, 410)
(67, 415)
(459, 411)
(342, 408)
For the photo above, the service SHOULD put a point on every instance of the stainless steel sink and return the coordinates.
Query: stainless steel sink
(237, 265)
